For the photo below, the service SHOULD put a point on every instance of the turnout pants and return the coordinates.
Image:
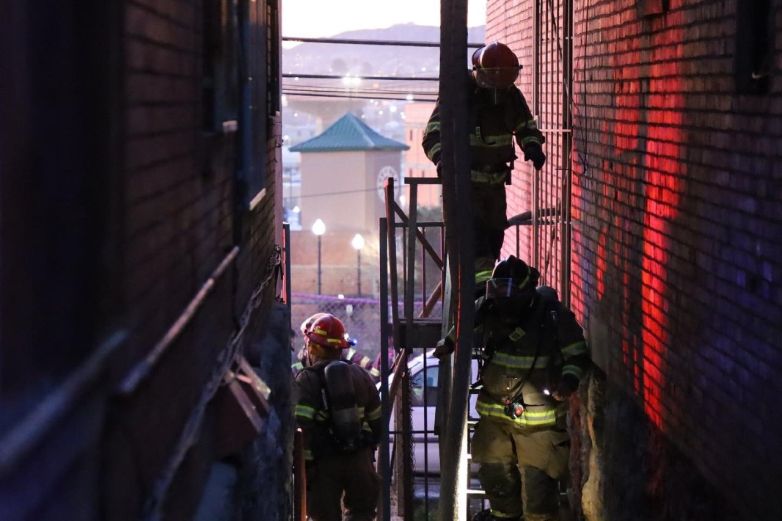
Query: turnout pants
(517, 465)
(343, 479)
(489, 220)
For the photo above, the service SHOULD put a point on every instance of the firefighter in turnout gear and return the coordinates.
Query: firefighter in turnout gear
(352, 354)
(534, 356)
(338, 410)
(498, 112)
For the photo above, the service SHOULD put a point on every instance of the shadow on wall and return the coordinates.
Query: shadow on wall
(260, 488)
(614, 442)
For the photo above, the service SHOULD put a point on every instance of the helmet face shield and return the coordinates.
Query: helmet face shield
(495, 77)
(501, 288)
(495, 66)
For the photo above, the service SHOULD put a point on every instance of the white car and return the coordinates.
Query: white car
(423, 382)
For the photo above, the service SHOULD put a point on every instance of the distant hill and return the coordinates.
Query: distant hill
(366, 60)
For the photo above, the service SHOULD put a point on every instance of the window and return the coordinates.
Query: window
(424, 389)
(754, 46)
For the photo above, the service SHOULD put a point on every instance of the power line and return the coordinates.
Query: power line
(367, 89)
(343, 192)
(324, 88)
(353, 96)
(348, 41)
(337, 77)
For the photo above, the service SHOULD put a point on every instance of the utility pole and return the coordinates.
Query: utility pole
(458, 213)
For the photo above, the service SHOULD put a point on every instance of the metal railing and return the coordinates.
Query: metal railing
(406, 246)
(420, 297)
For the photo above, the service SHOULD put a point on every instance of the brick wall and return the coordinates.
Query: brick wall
(150, 186)
(179, 210)
(190, 197)
(675, 269)
(511, 24)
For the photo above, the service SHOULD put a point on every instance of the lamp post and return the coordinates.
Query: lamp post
(358, 245)
(318, 228)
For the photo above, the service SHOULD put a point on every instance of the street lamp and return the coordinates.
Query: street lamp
(318, 228)
(358, 245)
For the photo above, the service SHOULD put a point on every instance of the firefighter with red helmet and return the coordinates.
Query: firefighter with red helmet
(534, 356)
(351, 353)
(498, 113)
(338, 410)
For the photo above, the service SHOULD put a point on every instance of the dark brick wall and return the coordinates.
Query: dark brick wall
(178, 201)
(675, 272)
(188, 202)
(146, 199)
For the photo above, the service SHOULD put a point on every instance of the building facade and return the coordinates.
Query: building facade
(665, 119)
(140, 217)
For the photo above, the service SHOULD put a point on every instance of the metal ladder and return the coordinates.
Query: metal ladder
(415, 330)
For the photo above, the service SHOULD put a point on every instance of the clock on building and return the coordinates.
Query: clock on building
(388, 172)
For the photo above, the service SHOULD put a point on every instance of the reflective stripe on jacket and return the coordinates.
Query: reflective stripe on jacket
(493, 127)
(532, 417)
(526, 360)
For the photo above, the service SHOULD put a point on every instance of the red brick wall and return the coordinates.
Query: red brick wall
(676, 219)
(511, 24)
(339, 262)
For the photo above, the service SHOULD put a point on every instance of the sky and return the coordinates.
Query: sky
(320, 18)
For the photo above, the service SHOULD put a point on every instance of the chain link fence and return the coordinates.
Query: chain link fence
(361, 317)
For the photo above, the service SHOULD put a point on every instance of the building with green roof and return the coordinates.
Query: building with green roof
(343, 171)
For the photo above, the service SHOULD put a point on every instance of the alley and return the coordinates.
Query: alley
(186, 185)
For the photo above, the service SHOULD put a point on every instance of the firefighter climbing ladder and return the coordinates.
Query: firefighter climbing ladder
(426, 295)
(425, 292)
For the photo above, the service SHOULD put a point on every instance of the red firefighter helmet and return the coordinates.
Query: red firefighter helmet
(495, 66)
(329, 331)
(306, 326)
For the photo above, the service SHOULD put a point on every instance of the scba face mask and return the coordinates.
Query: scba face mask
(507, 298)
(501, 288)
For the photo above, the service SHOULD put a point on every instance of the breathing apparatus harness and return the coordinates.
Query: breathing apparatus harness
(338, 396)
(514, 406)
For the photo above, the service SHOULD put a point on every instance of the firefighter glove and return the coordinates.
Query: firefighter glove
(567, 386)
(444, 346)
(439, 167)
(533, 152)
